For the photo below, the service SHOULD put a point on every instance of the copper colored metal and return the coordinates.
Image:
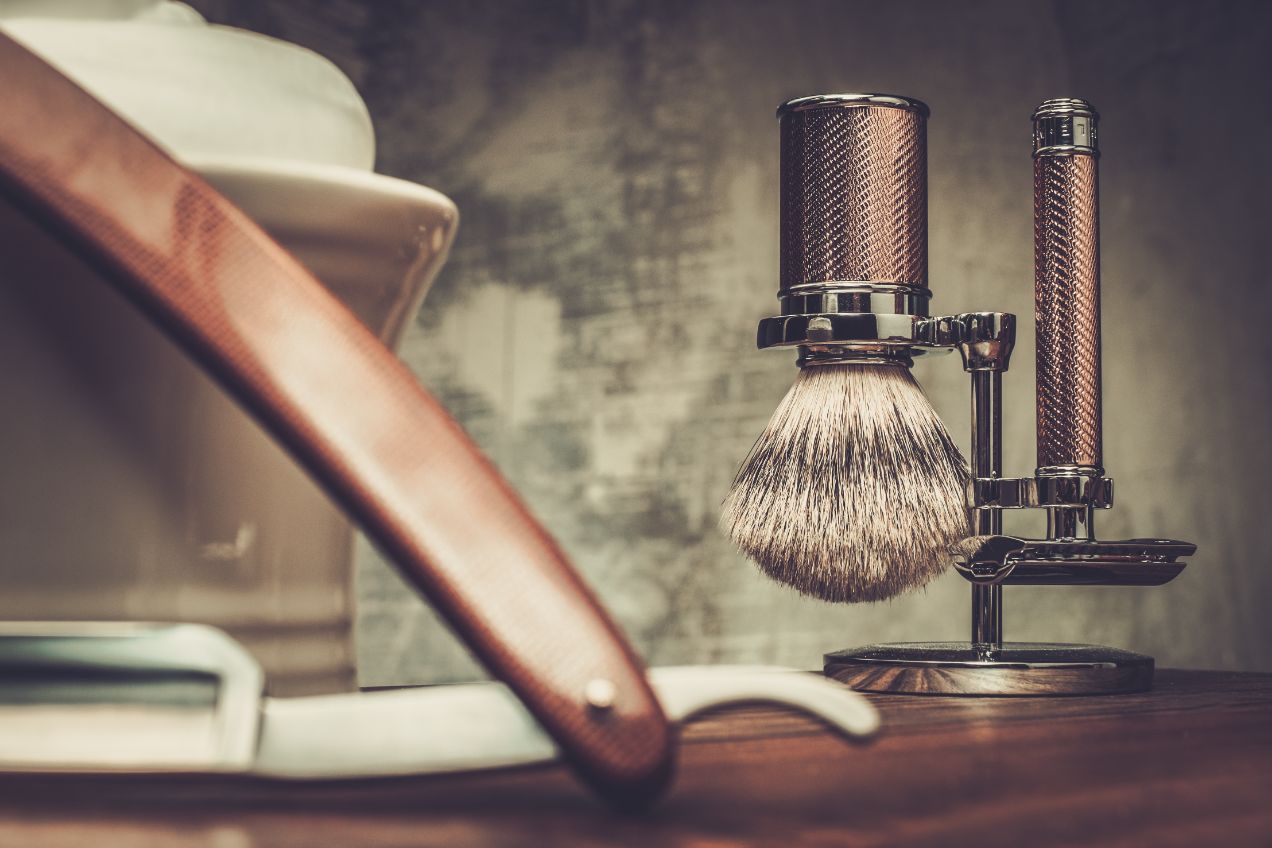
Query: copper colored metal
(1067, 305)
(854, 191)
(346, 407)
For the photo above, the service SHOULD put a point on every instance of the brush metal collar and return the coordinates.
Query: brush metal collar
(813, 355)
(985, 339)
(843, 296)
(851, 100)
(869, 330)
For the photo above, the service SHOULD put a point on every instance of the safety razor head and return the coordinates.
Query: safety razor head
(853, 229)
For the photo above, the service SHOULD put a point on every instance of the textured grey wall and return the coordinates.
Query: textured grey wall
(616, 167)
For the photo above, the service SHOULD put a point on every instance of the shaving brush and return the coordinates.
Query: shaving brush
(855, 490)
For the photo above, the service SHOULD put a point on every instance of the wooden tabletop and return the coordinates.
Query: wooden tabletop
(1187, 764)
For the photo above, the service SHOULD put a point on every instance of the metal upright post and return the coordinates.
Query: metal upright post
(987, 461)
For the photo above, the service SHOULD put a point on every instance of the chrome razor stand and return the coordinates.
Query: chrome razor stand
(986, 664)
(1069, 482)
(987, 463)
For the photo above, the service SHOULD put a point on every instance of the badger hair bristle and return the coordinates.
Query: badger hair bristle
(854, 491)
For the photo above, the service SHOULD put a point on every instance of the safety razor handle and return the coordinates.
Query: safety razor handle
(1067, 287)
(345, 407)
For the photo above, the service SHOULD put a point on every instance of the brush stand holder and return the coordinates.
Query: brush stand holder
(989, 560)
(854, 289)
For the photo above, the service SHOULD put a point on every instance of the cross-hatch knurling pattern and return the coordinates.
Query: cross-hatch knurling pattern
(1067, 306)
(854, 196)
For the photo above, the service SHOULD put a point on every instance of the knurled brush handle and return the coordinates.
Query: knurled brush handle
(853, 191)
(348, 410)
(1067, 287)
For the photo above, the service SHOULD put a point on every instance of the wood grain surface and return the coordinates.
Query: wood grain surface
(1187, 764)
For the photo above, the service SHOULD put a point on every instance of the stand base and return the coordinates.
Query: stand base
(1020, 668)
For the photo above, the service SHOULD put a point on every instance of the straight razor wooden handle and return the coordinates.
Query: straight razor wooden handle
(344, 406)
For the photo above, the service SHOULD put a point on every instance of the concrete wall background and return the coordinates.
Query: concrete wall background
(615, 164)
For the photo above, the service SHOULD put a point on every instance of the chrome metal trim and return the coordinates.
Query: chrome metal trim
(1009, 560)
(1011, 669)
(1085, 471)
(986, 340)
(813, 355)
(1071, 524)
(850, 100)
(1066, 150)
(1031, 492)
(1059, 106)
(857, 285)
(985, 493)
(987, 462)
(988, 336)
(868, 328)
(943, 331)
(1065, 126)
(854, 297)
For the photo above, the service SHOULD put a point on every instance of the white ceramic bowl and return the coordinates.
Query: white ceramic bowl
(134, 489)
(207, 91)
